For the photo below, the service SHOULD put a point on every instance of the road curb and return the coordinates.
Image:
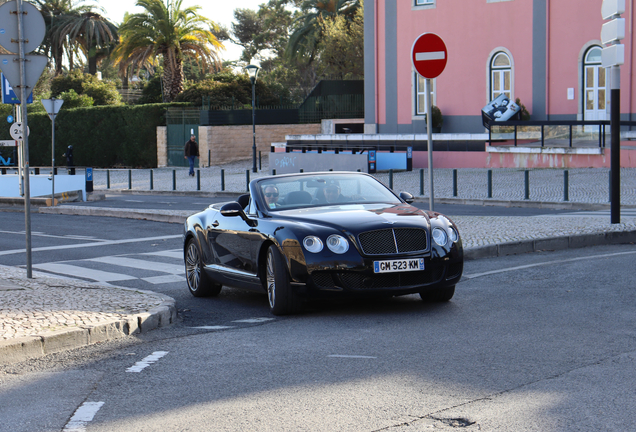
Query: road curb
(32, 347)
(170, 216)
(550, 244)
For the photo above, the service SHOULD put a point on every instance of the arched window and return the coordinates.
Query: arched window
(500, 75)
(594, 85)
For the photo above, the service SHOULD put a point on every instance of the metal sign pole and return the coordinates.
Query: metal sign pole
(615, 158)
(53, 162)
(429, 132)
(25, 142)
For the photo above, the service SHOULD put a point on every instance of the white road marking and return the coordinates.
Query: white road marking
(40, 234)
(175, 253)
(83, 415)
(586, 258)
(82, 272)
(253, 320)
(144, 363)
(219, 327)
(433, 55)
(98, 243)
(133, 201)
(351, 356)
(140, 264)
(171, 278)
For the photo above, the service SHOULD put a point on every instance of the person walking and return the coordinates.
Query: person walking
(191, 152)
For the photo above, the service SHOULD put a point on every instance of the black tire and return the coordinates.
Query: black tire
(282, 300)
(198, 282)
(438, 295)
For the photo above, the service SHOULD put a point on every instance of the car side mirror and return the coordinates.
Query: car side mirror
(231, 209)
(234, 209)
(407, 197)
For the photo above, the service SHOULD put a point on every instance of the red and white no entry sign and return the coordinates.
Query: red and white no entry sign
(429, 55)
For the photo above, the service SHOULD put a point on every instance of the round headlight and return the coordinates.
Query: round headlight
(454, 236)
(439, 236)
(337, 244)
(313, 244)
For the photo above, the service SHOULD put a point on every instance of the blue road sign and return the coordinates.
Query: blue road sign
(9, 96)
(10, 119)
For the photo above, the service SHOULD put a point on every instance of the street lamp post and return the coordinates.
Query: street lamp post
(252, 71)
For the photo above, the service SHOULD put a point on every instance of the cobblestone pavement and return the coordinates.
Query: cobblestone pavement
(585, 185)
(30, 307)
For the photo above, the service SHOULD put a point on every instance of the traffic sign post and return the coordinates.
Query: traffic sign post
(21, 36)
(613, 56)
(429, 57)
(52, 107)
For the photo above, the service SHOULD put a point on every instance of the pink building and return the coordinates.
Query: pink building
(544, 52)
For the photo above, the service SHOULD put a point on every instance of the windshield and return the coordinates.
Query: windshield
(322, 190)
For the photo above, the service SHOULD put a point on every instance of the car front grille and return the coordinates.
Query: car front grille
(393, 240)
(358, 281)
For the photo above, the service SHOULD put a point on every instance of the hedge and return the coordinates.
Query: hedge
(102, 136)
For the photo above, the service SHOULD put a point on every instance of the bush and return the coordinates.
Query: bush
(102, 92)
(226, 89)
(73, 100)
(102, 136)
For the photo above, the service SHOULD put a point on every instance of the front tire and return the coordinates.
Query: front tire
(438, 295)
(198, 282)
(282, 300)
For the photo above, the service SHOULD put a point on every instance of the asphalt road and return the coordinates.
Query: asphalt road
(197, 203)
(536, 342)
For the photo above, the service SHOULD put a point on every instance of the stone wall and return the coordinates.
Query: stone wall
(162, 146)
(231, 143)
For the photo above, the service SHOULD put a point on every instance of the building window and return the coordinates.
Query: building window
(420, 94)
(500, 76)
(594, 86)
(423, 4)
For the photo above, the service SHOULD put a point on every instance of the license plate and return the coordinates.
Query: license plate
(403, 265)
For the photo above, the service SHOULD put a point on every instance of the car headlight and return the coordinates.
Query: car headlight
(439, 236)
(312, 244)
(454, 236)
(337, 244)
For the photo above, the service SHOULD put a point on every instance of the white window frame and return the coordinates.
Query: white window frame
(418, 112)
(491, 70)
(423, 4)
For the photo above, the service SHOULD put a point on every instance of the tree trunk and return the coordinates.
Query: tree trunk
(172, 80)
(92, 65)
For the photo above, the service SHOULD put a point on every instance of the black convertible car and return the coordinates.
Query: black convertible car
(322, 234)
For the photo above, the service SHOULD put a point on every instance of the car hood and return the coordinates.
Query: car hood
(360, 217)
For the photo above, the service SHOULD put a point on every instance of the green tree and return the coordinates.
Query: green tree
(167, 32)
(341, 50)
(308, 30)
(100, 92)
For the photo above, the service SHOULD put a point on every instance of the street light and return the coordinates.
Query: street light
(252, 72)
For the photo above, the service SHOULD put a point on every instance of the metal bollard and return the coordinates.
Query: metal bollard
(526, 181)
(152, 180)
(302, 170)
(247, 180)
(174, 179)
(273, 172)
(198, 180)
(260, 164)
(37, 171)
(454, 182)
(391, 178)
(107, 179)
(489, 183)
(222, 179)
(566, 185)
(129, 179)
(421, 181)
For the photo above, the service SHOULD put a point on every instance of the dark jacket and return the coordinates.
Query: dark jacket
(191, 148)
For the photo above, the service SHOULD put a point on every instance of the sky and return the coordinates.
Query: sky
(219, 11)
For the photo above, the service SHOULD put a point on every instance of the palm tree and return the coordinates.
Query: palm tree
(167, 32)
(71, 25)
(304, 40)
(90, 31)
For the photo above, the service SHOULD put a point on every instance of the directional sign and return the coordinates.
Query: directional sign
(16, 131)
(429, 55)
(33, 23)
(34, 66)
(9, 96)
